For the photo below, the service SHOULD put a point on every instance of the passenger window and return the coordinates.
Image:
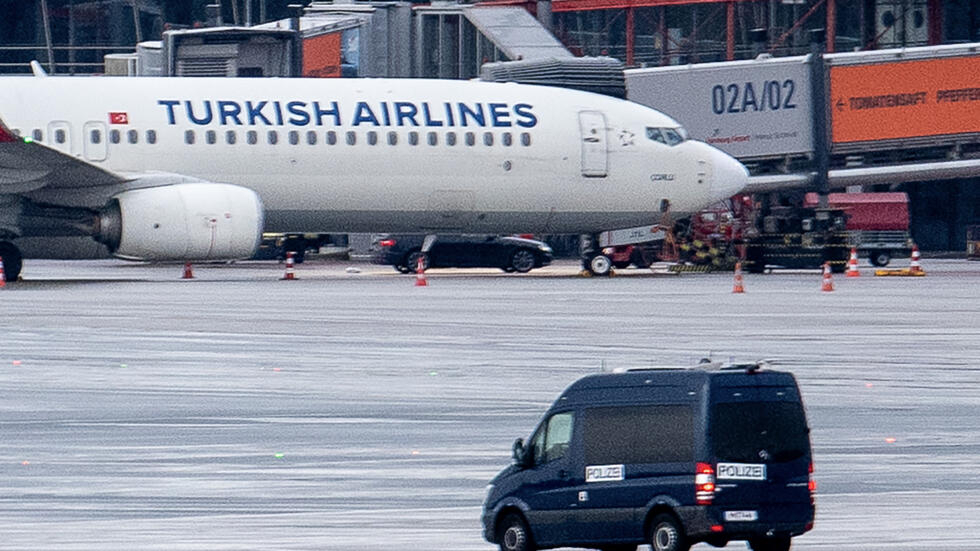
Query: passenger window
(433, 138)
(189, 137)
(507, 139)
(351, 137)
(60, 136)
(211, 136)
(551, 441)
(450, 138)
(273, 137)
(115, 136)
(96, 136)
(293, 137)
(231, 137)
(392, 138)
(488, 138)
(525, 138)
(151, 137)
(413, 138)
(133, 136)
(37, 135)
(252, 137)
(311, 137)
(372, 137)
(331, 137)
(470, 138)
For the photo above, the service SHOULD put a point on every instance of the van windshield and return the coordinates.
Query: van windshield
(750, 432)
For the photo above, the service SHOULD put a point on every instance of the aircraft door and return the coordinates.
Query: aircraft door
(59, 136)
(94, 140)
(594, 151)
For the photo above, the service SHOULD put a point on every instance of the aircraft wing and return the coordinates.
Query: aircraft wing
(27, 167)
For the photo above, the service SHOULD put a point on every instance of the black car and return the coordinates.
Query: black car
(509, 253)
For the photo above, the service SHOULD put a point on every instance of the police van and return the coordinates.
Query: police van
(664, 457)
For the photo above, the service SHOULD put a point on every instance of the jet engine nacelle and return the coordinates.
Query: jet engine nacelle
(188, 221)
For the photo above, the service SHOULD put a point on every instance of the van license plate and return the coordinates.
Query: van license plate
(741, 516)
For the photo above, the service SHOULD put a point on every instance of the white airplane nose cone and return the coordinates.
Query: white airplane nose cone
(730, 176)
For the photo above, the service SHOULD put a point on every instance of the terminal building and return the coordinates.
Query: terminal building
(896, 103)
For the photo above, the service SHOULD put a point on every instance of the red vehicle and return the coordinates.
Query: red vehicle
(877, 223)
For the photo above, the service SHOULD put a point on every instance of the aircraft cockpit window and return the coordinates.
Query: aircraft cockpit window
(656, 135)
(351, 137)
(115, 136)
(189, 137)
(525, 138)
(311, 137)
(673, 137)
(666, 136)
(133, 137)
(37, 135)
(273, 137)
(151, 137)
(60, 136)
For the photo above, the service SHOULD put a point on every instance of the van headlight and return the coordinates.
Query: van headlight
(486, 494)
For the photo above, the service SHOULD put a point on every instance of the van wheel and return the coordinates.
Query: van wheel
(771, 544)
(514, 535)
(666, 534)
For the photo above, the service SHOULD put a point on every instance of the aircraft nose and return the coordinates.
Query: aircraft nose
(730, 176)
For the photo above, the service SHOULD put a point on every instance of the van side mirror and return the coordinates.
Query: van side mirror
(520, 453)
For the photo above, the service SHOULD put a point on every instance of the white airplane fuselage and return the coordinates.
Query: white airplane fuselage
(374, 155)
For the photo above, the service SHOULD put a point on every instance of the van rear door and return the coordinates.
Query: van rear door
(761, 447)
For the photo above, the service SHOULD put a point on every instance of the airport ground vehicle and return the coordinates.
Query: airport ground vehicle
(877, 224)
(666, 457)
(274, 246)
(509, 253)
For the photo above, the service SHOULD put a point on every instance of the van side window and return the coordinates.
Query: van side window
(639, 434)
(551, 441)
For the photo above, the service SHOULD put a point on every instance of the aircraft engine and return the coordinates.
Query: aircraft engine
(187, 221)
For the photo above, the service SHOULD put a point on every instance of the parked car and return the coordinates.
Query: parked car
(509, 253)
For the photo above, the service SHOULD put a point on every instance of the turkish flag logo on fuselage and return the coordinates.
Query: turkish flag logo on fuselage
(118, 118)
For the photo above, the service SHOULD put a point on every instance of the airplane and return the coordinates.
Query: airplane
(194, 169)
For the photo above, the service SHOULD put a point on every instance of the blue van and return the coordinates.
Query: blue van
(664, 457)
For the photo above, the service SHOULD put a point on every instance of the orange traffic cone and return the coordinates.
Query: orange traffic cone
(289, 267)
(3, 278)
(828, 282)
(852, 264)
(188, 274)
(420, 273)
(739, 286)
(914, 267)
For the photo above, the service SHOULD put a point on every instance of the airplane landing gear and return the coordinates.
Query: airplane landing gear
(12, 260)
